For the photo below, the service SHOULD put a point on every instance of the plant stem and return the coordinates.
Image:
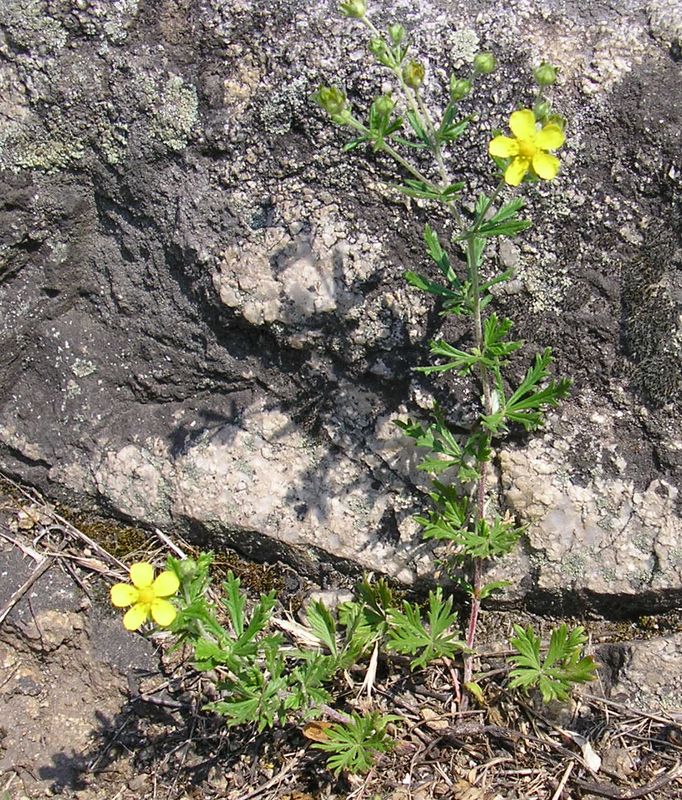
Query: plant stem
(482, 466)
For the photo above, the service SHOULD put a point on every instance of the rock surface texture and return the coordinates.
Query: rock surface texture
(204, 324)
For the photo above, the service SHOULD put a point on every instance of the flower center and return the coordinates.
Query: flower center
(145, 596)
(527, 148)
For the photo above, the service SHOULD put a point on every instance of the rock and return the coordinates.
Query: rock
(650, 675)
(204, 321)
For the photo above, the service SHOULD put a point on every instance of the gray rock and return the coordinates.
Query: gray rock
(204, 322)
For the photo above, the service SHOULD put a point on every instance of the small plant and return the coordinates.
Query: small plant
(266, 678)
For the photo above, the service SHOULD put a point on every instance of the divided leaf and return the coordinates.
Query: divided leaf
(408, 634)
(562, 667)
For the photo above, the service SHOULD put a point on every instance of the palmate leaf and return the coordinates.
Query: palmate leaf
(408, 634)
(562, 667)
(495, 331)
(490, 539)
(353, 745)
(527, 404)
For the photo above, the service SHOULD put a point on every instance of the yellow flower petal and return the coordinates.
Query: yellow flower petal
(503, 147)
(516, 171)
(166, 584)
(551, 137)
(135, 617)
(123, 594)
(163, 612)
(522, 124)
(142, 574)
(546, 165)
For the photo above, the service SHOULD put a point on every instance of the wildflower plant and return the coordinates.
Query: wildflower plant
(464, 513)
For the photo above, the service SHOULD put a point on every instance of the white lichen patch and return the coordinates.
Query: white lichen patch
(605, 536)
(295, 271)
(175, 113)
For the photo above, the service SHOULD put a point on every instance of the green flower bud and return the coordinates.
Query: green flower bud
(484, 63)
(187, 568)
(384, 105)
(354, 8)
(396, 33)
(413, 74)
(542, 110)
(459, 88)
(331, 99)
(545, 74)
(556, 119)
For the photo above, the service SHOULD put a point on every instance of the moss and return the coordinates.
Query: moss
(116, 538)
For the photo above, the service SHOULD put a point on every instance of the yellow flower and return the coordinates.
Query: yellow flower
(145, 596)
(529, 148)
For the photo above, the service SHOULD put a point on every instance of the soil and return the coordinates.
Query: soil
(92, 711)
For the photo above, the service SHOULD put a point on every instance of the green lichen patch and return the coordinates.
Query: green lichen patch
(175, 113)
(29, 26)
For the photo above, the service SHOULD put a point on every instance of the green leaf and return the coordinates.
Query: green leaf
(493, 586)
(235, 602)
(353, 745)
(439, 256)
(460, 360)
(448, 453)
(528, 403)
(449, 133)
(420, 282)
(409, 634)
(562, 667)
(474, 688)
(322, 624)
(425, 191)
(417, 127)
(487, 540)
(494, 332)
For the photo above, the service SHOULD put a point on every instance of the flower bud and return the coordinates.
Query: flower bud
(354, 8)
(545, 74)
(396, 33)
(331, 99)
(485, 63)
(187, 568)
(384, 105)
(459, 88)
(377, 47)
(413, 74)
(542, 109)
